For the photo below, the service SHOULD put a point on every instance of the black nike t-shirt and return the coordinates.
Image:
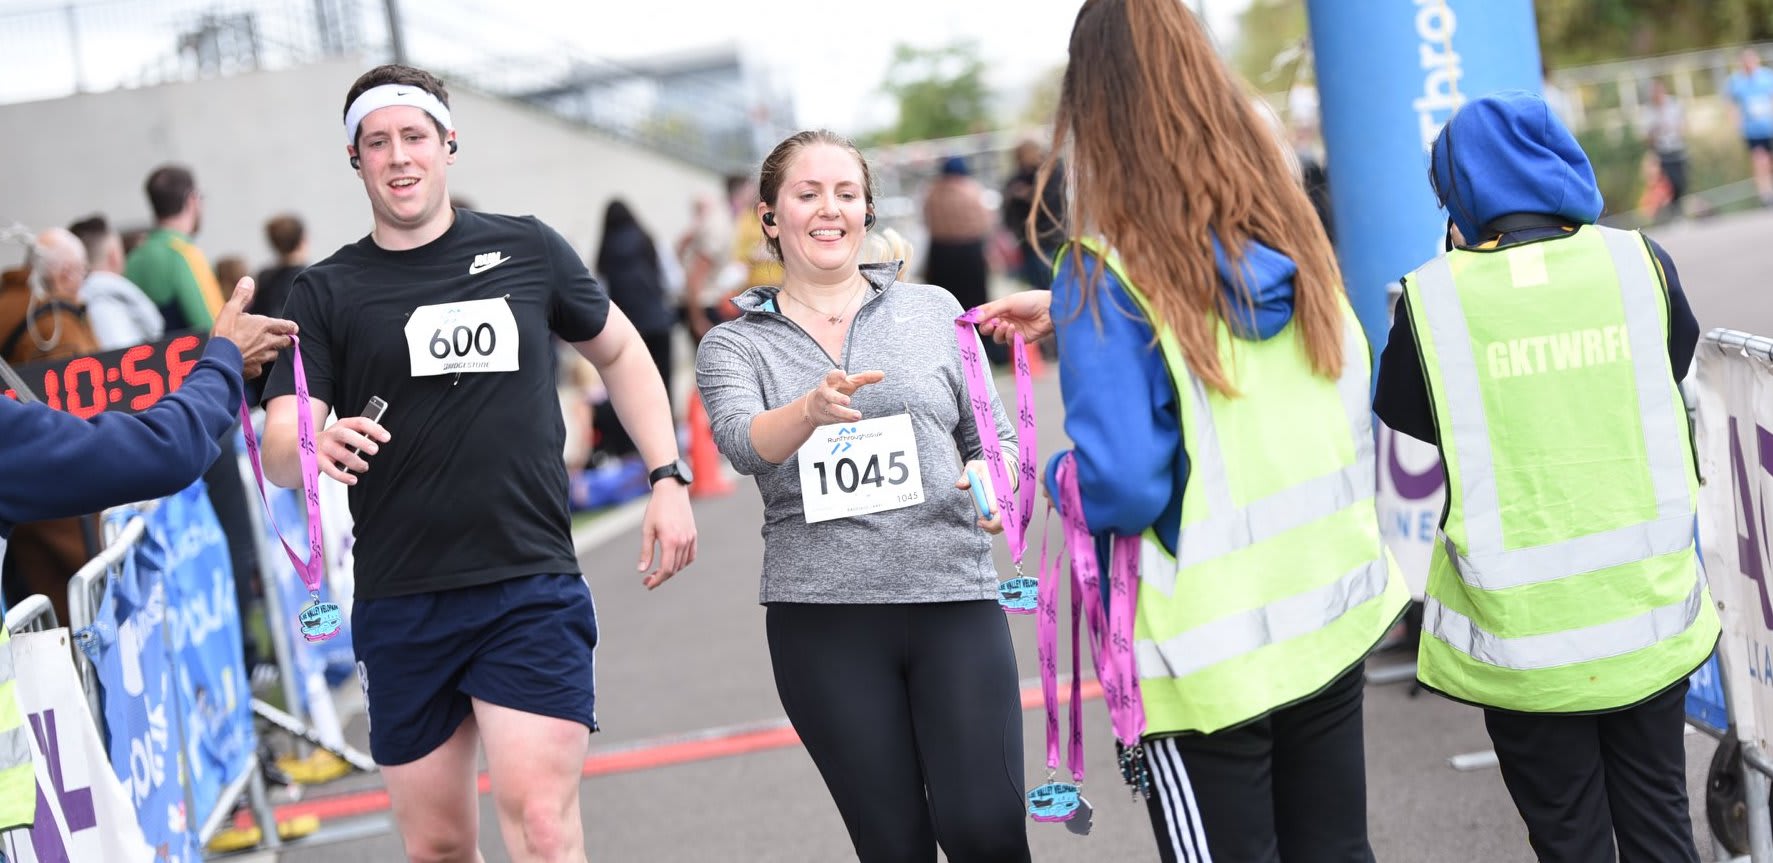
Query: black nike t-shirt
(471, 489)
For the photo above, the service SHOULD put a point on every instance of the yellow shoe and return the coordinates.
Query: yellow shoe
(297, 827)
(235, 839)
(241, 838)
(319, 767)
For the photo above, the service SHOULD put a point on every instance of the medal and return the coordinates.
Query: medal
(320, 620)
(1019, 595)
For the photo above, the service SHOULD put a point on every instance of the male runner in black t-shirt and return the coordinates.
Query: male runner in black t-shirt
(471, 618)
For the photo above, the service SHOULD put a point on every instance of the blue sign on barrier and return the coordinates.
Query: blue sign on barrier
(1705, 698)
(204, 620)
(333, 658)
(127, 645)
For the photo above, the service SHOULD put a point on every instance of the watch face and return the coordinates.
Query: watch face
(683, 471)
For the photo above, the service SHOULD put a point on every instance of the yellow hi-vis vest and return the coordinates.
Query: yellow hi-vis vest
(1280, 582)
(1566, 578)
(18, 781)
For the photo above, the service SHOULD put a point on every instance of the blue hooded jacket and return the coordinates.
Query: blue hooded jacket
(1505, 154)
(1120, 404)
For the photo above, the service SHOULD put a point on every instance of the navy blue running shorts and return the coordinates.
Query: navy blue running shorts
(524, 643)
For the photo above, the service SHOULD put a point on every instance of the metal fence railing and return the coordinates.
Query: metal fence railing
(58, 48)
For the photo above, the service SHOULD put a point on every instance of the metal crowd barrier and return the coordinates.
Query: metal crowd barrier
(33, 614)
(86, 593)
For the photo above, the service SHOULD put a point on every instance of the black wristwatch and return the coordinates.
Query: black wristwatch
(676, 470)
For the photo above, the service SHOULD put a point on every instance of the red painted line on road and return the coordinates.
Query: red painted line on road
(642, 755)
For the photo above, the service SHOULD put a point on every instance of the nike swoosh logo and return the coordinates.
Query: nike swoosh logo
(479, 267)
(903, 319)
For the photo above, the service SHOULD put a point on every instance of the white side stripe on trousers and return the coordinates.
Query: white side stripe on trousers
(1188, 836)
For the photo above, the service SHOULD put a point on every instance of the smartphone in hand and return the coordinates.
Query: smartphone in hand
(374, 411)
(981, 496)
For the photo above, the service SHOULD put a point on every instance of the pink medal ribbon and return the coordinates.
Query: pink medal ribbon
(1017, 596)
(1111, 628)
(1054, 800)
(319, 620)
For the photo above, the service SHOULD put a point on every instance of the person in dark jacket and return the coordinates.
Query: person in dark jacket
(628, 263)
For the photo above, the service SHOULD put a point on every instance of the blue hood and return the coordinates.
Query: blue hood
(1508, 153)
(1268, 276)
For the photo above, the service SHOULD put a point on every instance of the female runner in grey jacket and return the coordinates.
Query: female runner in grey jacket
(842, 392)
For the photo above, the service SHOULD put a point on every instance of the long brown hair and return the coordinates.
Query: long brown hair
(1168, 152)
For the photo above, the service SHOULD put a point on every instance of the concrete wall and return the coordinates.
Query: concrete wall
(271, 142)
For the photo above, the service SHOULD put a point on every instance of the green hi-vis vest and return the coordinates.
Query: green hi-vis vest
(18, 781)
(1280, 582)
(1566, 578)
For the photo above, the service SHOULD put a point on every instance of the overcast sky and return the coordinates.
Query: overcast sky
(831, 56)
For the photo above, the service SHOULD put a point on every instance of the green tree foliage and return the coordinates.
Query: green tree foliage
(941, 92)
(1571, 32)
(1043, 99)
(1574, 32)
(1268, 51)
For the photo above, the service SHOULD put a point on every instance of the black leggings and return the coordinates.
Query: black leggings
(912, 715)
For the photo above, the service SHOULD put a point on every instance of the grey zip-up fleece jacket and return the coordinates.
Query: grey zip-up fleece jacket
(931, 552)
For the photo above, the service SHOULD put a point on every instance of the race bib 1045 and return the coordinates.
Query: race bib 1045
(453, 338)
(850, 469)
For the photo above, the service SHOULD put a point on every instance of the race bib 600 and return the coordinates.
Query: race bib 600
(453, 338)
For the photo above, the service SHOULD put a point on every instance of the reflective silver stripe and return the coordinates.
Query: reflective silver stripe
(1234, 635)
(1464, 424)
(1487, 563)
(15, 747)
(1276, 514)
(1662, 413)
(1596, 551)
(1553, 649)
(1319, 497)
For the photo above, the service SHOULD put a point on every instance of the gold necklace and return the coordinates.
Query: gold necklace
(833, 318)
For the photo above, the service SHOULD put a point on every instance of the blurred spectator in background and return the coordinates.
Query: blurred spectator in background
(176, 276)
(627, 263)
(41, 319)
(229, 270)
(1665, 132)
(119, 313)
(703, 251)
(1751, 97)
(959, 223)
(132, 239)
(289, 241)
(167, 266)
(1018, 202)
(954, 212)
(885, 244)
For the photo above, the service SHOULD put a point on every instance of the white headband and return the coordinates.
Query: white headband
(393, 94)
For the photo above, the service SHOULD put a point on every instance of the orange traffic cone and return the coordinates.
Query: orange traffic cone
(704, 456)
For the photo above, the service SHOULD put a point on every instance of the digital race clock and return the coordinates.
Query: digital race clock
(129, 380)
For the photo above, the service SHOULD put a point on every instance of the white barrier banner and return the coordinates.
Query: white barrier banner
(1412, 488)
(83, 813)
(1734, 435)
